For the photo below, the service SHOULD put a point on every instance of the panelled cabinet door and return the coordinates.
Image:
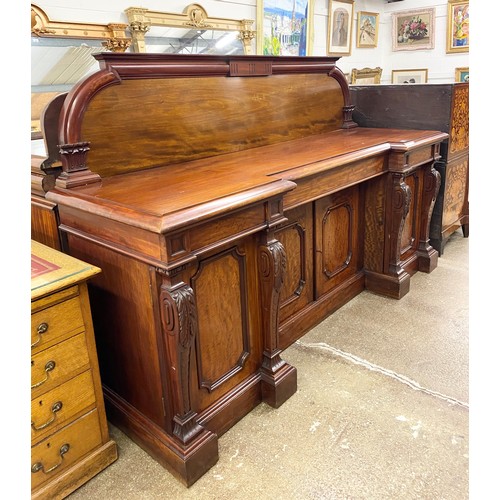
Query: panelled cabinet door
(227, 344)
(297, 238)
(337, 239)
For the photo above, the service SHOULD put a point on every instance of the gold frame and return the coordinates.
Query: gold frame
(406, 42)
(459, 72)
(423, 71)
(333, 6)
(452, 4)
(366, 74)
(360, 27)
(112, 34)
(194, 15)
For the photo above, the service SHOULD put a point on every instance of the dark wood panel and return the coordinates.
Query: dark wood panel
(337, 240)
(169, 129)
(123, 316)
(297, 238)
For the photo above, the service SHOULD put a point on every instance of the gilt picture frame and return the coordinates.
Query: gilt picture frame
(340, 26)
(457, 26)
(413, 29)
(367, 32)
(285, 27)
(462, 75)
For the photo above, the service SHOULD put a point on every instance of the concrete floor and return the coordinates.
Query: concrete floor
(381, 410)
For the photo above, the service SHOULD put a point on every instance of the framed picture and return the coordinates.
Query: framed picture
(409, 76)
(462, 75)
(285, 27)
(367, 34)
(413, 29)
(340, 23)
(457, 27)
(366, 75)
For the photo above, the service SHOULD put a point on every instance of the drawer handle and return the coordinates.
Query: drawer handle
(48, 368)
(39, 466)
(55, 408)
(41, 329)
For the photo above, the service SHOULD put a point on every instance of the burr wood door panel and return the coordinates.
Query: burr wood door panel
(338, 254)
(296, 236)
(227, 343)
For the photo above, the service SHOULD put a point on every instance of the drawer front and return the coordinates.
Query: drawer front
(55, 365)
(58, 452)
(53, 324)
(55, 408)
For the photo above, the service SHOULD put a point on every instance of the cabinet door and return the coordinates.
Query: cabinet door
(338, 249)
(228, 347)
(297, 238)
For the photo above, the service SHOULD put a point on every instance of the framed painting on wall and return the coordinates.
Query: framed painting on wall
(409, 76)
(285, 27)
(367, 34)
(457, 28)
(413, 29)
(340, 22)
(462, 75)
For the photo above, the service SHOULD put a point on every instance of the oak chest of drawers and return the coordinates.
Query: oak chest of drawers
(69, 433)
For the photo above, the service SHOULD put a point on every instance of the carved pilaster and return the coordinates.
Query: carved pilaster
(399, 207)
(247, 35)
(179, 324)
(74, 163)
(428, 256)
(279, 378)
(138, 30)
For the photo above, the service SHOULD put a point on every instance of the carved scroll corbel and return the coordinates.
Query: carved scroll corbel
(400, 206)
(427, 254)
(280, 378)
(179, 325)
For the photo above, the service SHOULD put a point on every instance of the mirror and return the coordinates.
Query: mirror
(191, 32)
(61, 54)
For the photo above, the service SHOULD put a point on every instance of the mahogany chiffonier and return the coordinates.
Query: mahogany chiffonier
(232, 204)
(445, 107)
(69, 432)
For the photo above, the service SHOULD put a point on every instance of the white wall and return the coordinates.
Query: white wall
(441, 66)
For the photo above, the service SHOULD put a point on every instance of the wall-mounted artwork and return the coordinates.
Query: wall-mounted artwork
(285, 27)
(367, 34)
(457, 30)
(409, 76)
(413, 29)
(462, 75)
(340, 23)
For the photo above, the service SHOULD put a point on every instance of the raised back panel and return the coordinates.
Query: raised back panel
(139, 124)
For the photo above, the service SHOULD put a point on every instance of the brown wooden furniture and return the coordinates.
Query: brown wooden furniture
(232, 204)
(69, 432)
(445, 107)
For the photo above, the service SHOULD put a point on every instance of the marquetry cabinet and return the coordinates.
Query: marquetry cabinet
(69, 433)
(443, 107)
